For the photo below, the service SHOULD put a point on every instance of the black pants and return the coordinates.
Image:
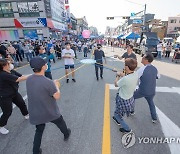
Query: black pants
(7, 106)
(167, 53)
(19, 57)
(97, 66)
(85, 53)
(60, 123)
(58, 53)
(48, 75)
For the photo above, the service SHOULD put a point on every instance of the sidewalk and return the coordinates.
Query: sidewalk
(165, 66)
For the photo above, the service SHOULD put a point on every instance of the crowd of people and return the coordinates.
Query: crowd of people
(43, 108)
(42, 92)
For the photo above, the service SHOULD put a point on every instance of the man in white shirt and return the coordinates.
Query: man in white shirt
(68, 55)
(159, 49)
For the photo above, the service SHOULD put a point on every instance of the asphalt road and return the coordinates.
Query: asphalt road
(82, 105)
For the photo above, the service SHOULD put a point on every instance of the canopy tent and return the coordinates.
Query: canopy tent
(131, 35)
(93, 36)
(120, 36)
(114, 36)
(178, 40)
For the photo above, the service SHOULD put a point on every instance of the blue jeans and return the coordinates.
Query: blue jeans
(150, 101)
(159, 54)
(122, 122)
(29, 56)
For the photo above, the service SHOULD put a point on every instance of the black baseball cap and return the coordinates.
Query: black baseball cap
(38, 62)
(67, 43)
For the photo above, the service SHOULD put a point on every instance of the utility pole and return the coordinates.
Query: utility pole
(144, 15)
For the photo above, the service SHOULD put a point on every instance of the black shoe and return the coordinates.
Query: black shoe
(73, 80)
(67, 137)
(132, 113)
(101, 77)
(115, 120)
(97, 79)
(122, 130)
(67, 80)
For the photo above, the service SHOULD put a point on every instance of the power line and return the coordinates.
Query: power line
(133, 2)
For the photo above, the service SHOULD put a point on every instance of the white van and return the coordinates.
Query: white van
(168, 39)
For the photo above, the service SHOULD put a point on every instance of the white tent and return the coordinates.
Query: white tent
(178, 39)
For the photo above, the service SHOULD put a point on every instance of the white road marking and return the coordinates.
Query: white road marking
(25, 97)
(158, 89)
(169, 128)
(113, 59)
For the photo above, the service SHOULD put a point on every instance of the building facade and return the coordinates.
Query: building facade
(36, 19)
(93, 30)
(173, 29)
(82, 24)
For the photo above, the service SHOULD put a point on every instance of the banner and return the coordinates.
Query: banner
(30, 34)
(30, 22)
(56, 25)
(11, 35)
(57, 10)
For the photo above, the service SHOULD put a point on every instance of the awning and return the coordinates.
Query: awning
(114, 36)
(93, 36)
(120, 36)
(131, 35)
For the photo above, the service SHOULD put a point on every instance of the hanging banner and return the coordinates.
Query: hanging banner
(30, 22)
(56, 25)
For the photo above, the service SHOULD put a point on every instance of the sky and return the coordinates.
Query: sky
(96, 11)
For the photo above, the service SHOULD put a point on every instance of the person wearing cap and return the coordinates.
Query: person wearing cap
(98, 56)
(42, 54)
(9, 93)
(68, 55)
(128, 54)
(42, 95)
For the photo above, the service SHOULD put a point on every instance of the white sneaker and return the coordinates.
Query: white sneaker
(26, 117)
(154, 121)
(4, 131)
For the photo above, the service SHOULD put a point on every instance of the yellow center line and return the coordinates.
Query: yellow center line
(71, 72)
(106, 140)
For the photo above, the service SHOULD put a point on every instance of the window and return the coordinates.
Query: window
(28, 9)
(177, 28)
(173, 21)
(6, 10)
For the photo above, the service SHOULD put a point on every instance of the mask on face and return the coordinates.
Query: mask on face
(11, 67)
(46, 67)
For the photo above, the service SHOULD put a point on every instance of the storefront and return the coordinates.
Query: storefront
(56, 28)
(11, 35)
(32, 28)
